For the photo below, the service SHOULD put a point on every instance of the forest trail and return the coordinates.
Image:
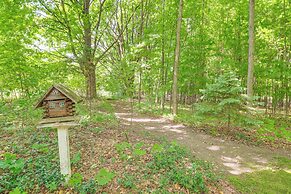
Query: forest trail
(228, 156)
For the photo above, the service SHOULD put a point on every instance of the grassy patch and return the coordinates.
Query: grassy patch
(263, 182)
(282, 162)
(151, 108)
(101, 113)
(275, 128)
(105, 107)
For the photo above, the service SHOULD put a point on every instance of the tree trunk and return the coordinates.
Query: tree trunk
(177, 57)
(89, 66)
(162, 105)
(251, 48)
(286, 79)
(91, 83)
(139, 86)
(228, 121)
(141, 60)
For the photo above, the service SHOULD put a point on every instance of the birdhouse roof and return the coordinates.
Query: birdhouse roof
(64, 90)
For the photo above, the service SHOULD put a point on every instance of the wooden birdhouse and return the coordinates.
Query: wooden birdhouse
(59, 101)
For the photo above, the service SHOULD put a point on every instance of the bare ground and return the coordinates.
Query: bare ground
(228, 156)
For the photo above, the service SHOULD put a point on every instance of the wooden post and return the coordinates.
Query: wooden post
(62, 125)
(64, 151)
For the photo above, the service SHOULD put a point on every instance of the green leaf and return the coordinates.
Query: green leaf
(138, 145)
(41, 147)
(139, 152)
(75, 180)
(157, 148)
(76, 158)
(120, 147)
(17, 166)
(17, 191)
(103, 177)
(3, 164)
(9, 156)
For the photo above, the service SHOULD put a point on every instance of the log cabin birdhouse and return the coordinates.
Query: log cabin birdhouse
(59, 101)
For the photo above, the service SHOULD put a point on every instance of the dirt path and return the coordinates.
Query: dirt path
(229, 156)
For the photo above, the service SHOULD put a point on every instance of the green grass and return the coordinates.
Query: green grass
(102, 113)
(273, 127)
(266, 181)
(282, 162)
(151, 108)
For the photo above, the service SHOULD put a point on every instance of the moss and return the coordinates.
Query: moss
(282, 162)
(266, 181)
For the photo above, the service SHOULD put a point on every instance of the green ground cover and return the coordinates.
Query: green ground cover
(29, 160)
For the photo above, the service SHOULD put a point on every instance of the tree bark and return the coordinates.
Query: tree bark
(89, 66)
(286, 80)
(141, 59)
(177, 58)
(139, 86)
(251, 48)
(162, 105)
(91, 83)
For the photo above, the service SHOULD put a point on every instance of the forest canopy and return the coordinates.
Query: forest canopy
(127, 47)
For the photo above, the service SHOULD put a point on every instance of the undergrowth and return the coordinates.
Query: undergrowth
(32, 166)
(253, 128)
(29, 165)
(19, 114)
(168, 165)
(100, 112)
(29, 161)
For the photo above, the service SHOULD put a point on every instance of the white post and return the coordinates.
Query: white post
(64, 151)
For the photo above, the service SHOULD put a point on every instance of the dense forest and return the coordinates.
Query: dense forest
(128, 48)
(219, 67)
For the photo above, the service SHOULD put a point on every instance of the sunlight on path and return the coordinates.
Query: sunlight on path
(235, 165)
(229, 156)
(214, 148)
(174, 128)
(144, 120)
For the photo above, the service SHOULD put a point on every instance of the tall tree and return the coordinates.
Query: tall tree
(77, 24)
(82, 30)
(251, 48)
(177, 58)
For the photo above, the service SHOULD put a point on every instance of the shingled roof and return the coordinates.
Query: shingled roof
(64, 90)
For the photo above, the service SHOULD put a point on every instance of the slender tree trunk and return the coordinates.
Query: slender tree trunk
(202, 47)
(228, 121)
(141, 60)
(89, 66)
(287, 88)
(162, 105)
(251, 48)
(139, 86)
(177, 57)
